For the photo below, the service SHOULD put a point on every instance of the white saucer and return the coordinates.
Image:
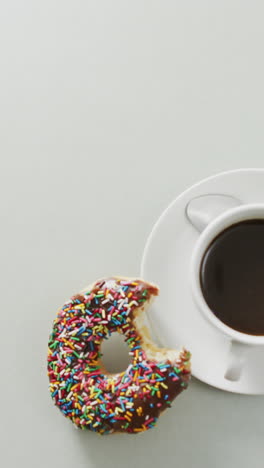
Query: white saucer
(174, 316)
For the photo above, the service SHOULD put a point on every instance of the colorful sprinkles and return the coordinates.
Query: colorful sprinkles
(127, 402)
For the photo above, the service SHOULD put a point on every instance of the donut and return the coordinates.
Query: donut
(80, 386)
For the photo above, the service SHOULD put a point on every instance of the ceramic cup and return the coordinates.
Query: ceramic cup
(210, 215)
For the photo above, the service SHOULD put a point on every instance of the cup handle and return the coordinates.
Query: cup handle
(200, 211)
(236, 359)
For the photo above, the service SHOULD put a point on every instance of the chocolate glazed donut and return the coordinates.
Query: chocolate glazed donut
(92, 398)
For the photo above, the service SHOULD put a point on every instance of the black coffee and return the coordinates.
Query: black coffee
(232, 276)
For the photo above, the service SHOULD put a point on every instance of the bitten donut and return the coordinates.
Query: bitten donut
(83, 390)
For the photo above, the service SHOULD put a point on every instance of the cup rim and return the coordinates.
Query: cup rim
(211, 231)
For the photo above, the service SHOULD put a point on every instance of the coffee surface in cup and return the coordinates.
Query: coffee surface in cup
(232, 276)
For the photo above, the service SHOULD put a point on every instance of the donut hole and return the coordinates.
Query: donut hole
(115, 358)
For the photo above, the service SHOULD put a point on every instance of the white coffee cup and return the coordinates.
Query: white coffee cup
(210, 215)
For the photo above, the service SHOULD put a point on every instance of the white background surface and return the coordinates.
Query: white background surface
(108, 110)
